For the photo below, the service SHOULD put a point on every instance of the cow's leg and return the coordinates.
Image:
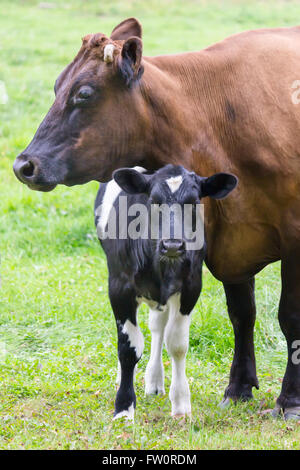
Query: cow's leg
(177, 342)
(130, 345)
(242, 312)
(289, 319)
(154, 377)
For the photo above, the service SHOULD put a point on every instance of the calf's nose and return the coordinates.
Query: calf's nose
(172, 248)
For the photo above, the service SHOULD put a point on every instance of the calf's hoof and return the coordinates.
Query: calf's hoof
(180, 400)
(128, 415)
(182, 417)
(181, 409)
(154, 381)
(154, 389)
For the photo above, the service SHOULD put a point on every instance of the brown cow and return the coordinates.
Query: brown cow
(226, 108)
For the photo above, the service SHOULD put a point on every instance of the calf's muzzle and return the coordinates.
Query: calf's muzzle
(172, 248)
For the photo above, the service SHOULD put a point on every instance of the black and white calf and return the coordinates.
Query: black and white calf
(163, 272)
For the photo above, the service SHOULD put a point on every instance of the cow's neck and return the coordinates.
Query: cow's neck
(193, 123)
(183, 112)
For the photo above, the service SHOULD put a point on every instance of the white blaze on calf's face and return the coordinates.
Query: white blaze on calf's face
(174, 183)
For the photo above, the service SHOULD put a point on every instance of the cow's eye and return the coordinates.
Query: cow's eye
(85, 93)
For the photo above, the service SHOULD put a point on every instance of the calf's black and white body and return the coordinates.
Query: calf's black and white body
(162, 272)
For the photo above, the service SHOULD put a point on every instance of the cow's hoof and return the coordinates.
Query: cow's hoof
(128, 415)
(225, 403)
(238, 392)
(292, 413)
(276, 411)
(228, 401)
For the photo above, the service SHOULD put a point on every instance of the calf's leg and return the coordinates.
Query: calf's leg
(130, 346)
(289, 319)
(154, 377)
(177, 341)
(118, 378)
(242, 312)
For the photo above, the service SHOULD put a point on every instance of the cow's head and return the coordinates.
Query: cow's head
(173, 194)
(97, 122)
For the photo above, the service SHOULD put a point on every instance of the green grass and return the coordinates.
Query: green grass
(57, 332)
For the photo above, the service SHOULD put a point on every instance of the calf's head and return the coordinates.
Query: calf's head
(173, 198)
(97, 121)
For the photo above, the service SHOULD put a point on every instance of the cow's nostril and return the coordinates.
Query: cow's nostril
(24, 170)
(27, 169)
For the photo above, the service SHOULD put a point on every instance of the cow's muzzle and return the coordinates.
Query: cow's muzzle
(27, 171)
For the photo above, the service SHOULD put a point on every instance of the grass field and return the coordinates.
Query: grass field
(57, 333)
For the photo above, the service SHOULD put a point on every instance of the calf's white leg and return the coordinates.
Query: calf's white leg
(154, 377)
(177, 342)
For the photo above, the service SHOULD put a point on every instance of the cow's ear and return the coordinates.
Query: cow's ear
(217, 186)
(130, 60)
(126, 29)
(131, 181)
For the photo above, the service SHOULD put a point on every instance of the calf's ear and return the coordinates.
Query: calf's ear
(131, 181)
(218, 186)
(126, 29)
(130, 59)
